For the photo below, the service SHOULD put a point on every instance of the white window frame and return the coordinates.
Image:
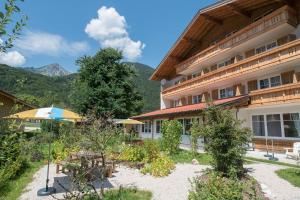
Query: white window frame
(226, 92)
(147, 124)
(269, 79)
(198, 97)
(281, 123)
(161, 121)
(265, 46)
(176, 102)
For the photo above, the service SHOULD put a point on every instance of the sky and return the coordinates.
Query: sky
(61, 31)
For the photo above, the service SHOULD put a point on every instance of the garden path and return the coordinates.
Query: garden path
(274, 187)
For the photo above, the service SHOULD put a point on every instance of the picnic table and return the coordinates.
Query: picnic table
(85, 160)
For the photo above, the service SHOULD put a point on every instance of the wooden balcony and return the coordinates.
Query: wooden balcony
(283, 94)
(281, 16)
(261, 62)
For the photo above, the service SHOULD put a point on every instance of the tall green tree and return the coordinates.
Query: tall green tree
(105, 86)
(226, 140)
(7, 34)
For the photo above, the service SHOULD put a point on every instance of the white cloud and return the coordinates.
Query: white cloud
(49, 44)
(110, 29)
(12, 58)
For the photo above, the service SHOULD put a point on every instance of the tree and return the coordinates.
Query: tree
(225, 140)
(7, 37)
(171, 135)
(106, 84)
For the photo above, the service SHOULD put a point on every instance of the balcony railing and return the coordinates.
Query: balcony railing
(271, 21)
(281, 94)
(285, 53)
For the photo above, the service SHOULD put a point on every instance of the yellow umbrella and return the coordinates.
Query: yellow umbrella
(129, 121)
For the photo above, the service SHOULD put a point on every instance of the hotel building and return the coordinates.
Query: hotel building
(242, 54)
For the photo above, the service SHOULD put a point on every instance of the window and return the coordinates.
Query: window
(275, 81)
(194, 75)
(260, 49)
(225, 63)
(271, 45)
(146, 127)
(158, 126)
(187, 126)
(176, 102)
(177, 82)
(291, 124)
(227, 92)
(274, 125)
(258, 125)
(264, 83)
(196, 99)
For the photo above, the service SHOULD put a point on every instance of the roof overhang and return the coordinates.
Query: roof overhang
(205, 19)
(238, 101)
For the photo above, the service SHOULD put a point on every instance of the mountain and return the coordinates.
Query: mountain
(50, 70)
(23, 83)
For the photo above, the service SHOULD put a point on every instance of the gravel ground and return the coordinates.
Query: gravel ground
(173, 187)
(274, 187)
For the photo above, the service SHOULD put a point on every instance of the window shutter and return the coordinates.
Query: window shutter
(183, 101)
(298, 76)
(215, 94)
(252, 85)
(286, 39)
(190, 100)
(214, 67)
(172, 103)
(250, 53)
(287, 77)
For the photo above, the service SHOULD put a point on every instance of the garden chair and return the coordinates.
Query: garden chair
(294, 152)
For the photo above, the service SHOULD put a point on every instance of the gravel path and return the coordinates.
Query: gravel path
(274, 187)
(173, 187)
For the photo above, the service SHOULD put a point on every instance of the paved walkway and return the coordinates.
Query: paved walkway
(281, 157)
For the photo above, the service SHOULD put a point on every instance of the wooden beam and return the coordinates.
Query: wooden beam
(239, 11)
(285, 2)
(175, 58)
(191, 41)
(212, 19)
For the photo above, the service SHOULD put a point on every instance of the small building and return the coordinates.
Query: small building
(9, 102)
(240, 53)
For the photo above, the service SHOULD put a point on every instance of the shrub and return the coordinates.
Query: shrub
(171, 136)
(151, 150)
(161, 166)
(132, 153)
(225, 141)
(195, 134)
(60, 152)
(214, 187)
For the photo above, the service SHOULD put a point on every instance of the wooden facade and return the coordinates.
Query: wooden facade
(9, 104)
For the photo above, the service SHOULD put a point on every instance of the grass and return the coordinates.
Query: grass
(271, 162)
(185, 156)
(14, 187)
(128, 194)
(291, 175)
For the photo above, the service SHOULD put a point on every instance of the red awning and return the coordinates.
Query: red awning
(192, 108)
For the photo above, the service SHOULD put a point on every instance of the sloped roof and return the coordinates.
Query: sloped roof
(16, 99)
(192, 108)
(202, 23)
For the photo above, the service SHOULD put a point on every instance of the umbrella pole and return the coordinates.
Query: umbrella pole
(48, 190)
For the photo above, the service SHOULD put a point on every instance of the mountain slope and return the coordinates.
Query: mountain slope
(150, 90)
(22, 82)
(50, 70)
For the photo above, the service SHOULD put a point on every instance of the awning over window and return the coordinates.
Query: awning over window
(194, 108)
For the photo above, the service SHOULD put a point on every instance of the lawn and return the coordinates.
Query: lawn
(128, 194)
(185, 156)
(291, 175)
(14, 187)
